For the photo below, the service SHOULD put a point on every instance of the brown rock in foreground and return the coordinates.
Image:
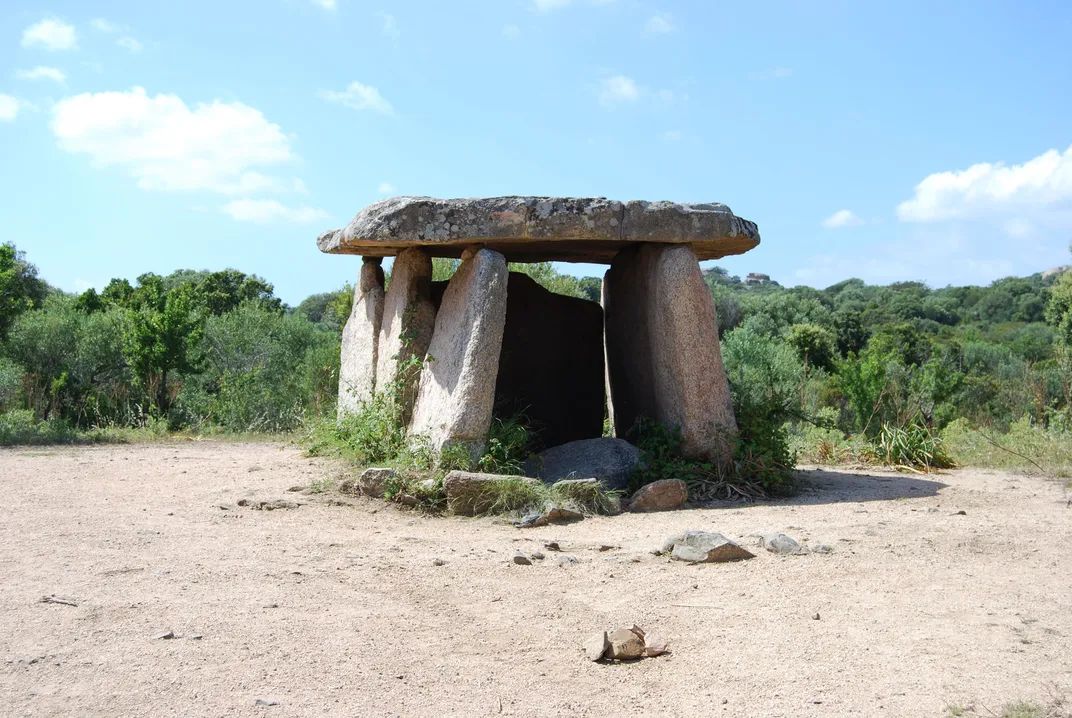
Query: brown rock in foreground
(662, 495)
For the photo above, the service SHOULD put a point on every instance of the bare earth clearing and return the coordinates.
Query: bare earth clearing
(332, 609)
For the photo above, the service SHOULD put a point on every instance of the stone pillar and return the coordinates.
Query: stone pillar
(457, 386)
(360, 339)
(663, 356)
(408, 321)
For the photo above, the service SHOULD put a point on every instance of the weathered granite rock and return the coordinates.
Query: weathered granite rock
(611, 461)
(360, 339)
(552, 514)
(596, 646)
(408, 321)
(625, 645)
(470, 493)
(373, 481)
(551, 365)
(780, 543)
(456, 393)
(663, 356)
(662, 495)
(704, 547)
(538, 229)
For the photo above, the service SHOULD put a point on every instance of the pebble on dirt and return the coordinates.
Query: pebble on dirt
(782, 544)
(521, 559)
(703, 547)
(624, 644)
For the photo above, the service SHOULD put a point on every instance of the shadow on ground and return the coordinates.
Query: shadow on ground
(820, 486)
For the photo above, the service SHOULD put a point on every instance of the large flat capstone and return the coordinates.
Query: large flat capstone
(539, 229)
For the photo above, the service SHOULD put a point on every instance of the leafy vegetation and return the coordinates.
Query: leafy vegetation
(900, 374)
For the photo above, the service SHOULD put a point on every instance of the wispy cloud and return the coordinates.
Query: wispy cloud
(661, 23)
(842, 218)
(50, 34)
(548, 5)
(390, 27)
(41, 72)
(359, 97)
(329, 5)
(129, 43)
(672, 136)
(268, 210)
(618, 90)
(106, 26)
(386, 188)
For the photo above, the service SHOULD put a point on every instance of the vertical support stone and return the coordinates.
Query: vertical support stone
(608, 395)
(663, 355)
(457, 386)
(408, 322)
(360, 339)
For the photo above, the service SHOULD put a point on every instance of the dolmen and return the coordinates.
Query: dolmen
(490, 342)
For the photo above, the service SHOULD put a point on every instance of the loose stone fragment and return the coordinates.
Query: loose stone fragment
(655, 646)
(704, 547)
(780, 543)
(521, 559)
(596, 646)
(625, 645)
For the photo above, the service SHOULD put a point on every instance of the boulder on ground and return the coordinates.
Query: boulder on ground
(456, 394)
(373, 482)
(552, 514)
(609, 460)
(662, 495)
(471, 493)
(704, 547)
(360, 340)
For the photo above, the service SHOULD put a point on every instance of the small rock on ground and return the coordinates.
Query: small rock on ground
(704, 547)
(625, 645)
(596, 646)
(662, 495)
(782, 544)
(521, 559)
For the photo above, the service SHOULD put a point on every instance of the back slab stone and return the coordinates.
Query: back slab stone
(360, 340)
(663, 355)
(457, 385)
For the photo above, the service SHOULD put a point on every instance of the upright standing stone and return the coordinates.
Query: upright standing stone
(457, 387)
(360, 338)
(663, 356)
(408, 322)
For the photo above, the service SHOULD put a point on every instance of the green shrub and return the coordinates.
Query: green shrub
(913, 446)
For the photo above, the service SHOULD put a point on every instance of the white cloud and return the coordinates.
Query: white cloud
(50, 34)
(1039, 186)
(659, 23)
(618, 89)
(103, 25)
(9, 108)
(268, 210)
(842, 218)
(386, 188)
(166, 145)
(511, 30)
(359, 97)
(672, 136)
(41, 73)
(329, 5)
(129, 43)
(1019, 228)
(81, 285)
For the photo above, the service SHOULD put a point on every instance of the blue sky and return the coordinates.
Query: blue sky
(887, 141)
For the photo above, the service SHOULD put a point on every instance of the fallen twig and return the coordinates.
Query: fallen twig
(60, 600)
(694, 605)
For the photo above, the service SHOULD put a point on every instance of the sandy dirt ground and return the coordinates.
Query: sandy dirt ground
(338, 609)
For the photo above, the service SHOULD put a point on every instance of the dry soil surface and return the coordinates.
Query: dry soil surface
(940, 589)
